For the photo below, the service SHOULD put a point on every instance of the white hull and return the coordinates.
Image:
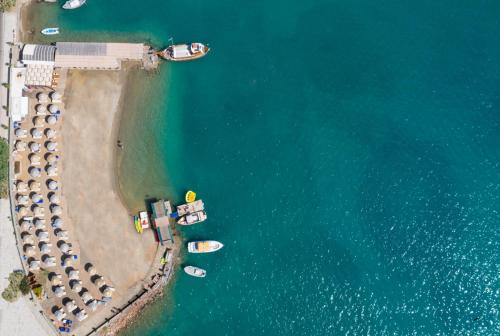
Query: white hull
(50, 31)
(204, 246)
(195, 271)
(73, 4)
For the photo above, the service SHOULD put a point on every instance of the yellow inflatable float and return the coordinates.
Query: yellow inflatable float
(190, 196)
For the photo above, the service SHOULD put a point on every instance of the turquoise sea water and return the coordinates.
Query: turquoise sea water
(348, 153)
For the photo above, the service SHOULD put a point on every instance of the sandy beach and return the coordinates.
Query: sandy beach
(101, 223)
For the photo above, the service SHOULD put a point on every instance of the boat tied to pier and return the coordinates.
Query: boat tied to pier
(195, 271)
(191, 213)
(204, 246)
(184, 52)
(73, 4)
(193, 218)
(50, 31)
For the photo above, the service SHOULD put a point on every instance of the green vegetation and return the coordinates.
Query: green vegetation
(18, 284)
(6, 5)
(4, 168)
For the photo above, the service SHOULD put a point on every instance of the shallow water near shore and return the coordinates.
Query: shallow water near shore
(348, 154)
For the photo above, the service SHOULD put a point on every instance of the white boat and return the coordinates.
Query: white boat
(73, 4)
(195, 271)
(193, 218)
(50, 31)
(204, 246)
(184, 52)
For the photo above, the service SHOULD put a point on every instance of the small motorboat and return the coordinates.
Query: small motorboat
(73, 4)
(204, 246)
(195, 271)
(50, 31)
(193, 218)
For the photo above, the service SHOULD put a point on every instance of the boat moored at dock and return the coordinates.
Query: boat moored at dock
(204, 246)
(73, 4)
(192, 218)
(195, 271)
(184, 52)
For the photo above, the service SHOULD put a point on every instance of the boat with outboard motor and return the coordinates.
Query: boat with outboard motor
(73, 4)
(192, 218)
(195, 271)
(184, 52)
(204, 246)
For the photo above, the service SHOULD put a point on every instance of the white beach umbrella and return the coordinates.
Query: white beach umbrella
(50, 133)
(36, 133)
(39, 223)
(86, 297)
(34, 265)
(54, 198)
(70, 306)
(21, 211)
(27, 238)
(67, 262)
(34, 147)
(34, 159)
(99, 282)
(63, 234)
(60, 291)
(92, 270)
(51, 170)
(20, 133)
(64, 248)
(38, 211)
(53, 108)
(21, 186)
(26, 226)
(34, 172)
(51, 158)
(45, 247)
(52, 185)
(51, 146)
(55, 279)
(92, 305)
(29, 250)
(108, 291)
(51, 120)
(34, 186)
(76, 286)
(22, 199)
(55, 96)
(38, 122)
(36, 198)
(81, 315)
(49, 261)
(20, 145)
(42, 235)
(57, 223)
(74, 274)
(55, 209)
(40, 109)
(42, 97)
(59, 314)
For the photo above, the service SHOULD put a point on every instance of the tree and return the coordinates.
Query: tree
(6, 5)
(4, 168)
(18, 284)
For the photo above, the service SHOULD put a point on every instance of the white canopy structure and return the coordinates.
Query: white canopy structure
(52, 185)
(64, 247)
(36, 198)
(21, 211)
(42, 97)
(67, 262)
(50, 133)
(63, 234)
(81, 315)
(20, 133)
(34, 186)
(29, 250)
(70, 306)
(20, 146)
(34, 147)
(35, 172)
(43, 235)
(55, 279)
(45, 247)
(53, 108)
(38, 211)
(39, 223)
(54, 198)
(92, 270)
(34, 265)
(34, 159)
(74, 274)
(26, 226)
(40, 109)
(59, 291)
(36, 133)
(99, 282)
(21, 186)
(55, 97)
(27, 238)
(22, 199)
(52, 158)
(51, 170)
(49, 261)
(55, 209)
(108, 291)
(76, 286)
(51, 146)
(51, 120)
(86, 297)
(38, 121)
(60, 314)
(57, 223)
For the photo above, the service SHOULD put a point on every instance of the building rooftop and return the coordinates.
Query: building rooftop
(32, 53)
